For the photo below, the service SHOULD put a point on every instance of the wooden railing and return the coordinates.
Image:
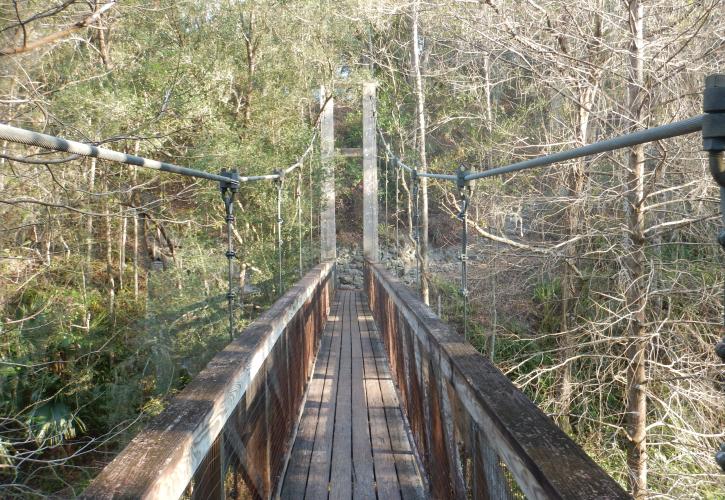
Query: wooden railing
(231, 428)
(477, 435)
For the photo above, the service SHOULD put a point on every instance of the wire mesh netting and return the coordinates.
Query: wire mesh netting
(248, 458)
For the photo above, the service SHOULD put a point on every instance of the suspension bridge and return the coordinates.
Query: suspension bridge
(360, 393)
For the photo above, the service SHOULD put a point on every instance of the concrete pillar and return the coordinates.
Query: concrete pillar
(328, 242)
(370, 173)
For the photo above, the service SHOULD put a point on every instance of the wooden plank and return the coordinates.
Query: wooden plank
(362, 455)
(295, 480)
(411, 485)
(319, 475)
(350, 152)
(161, 460)
(386, 477)
(341, 473)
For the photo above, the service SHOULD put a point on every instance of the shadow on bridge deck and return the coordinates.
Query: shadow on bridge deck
(352, 439)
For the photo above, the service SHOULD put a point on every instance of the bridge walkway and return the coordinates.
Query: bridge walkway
(352, 439)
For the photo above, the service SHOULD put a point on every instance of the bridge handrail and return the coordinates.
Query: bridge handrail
(460, 405)
(161, 460)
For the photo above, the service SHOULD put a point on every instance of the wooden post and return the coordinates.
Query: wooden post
(328, 243)
(370, 174)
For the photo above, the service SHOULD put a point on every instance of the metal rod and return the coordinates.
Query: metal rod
(312, 214)
(298, 196)
(22, 136)
(414, 179)
(464, 193)
(623, 141)
(397, 211)
(229, 189)
(279, 182)
(387, 233)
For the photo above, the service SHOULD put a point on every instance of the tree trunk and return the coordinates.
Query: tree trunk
(2, 165)
(135, 254)
(89, 218)
(109, 253)
(636, 402)
(122, 248)
(135, 202)
(570, 286)
(423, 166)
(250, 45)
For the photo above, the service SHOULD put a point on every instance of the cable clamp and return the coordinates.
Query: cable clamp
(280, 176)
(231, 254)
(231, 185)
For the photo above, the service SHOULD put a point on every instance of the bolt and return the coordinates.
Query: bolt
(721, 237)
(720, 349)
(720, 457)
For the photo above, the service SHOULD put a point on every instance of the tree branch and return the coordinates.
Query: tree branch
(84, 23)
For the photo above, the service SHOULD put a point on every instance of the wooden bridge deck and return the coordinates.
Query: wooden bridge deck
(352, 440)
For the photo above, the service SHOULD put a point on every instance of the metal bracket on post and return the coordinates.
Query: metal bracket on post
(279, 182)
(713, 141)
(229, 190)
(464, 195)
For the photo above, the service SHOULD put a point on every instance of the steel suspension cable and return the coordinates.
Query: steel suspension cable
(30, 138)
(667, 131)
